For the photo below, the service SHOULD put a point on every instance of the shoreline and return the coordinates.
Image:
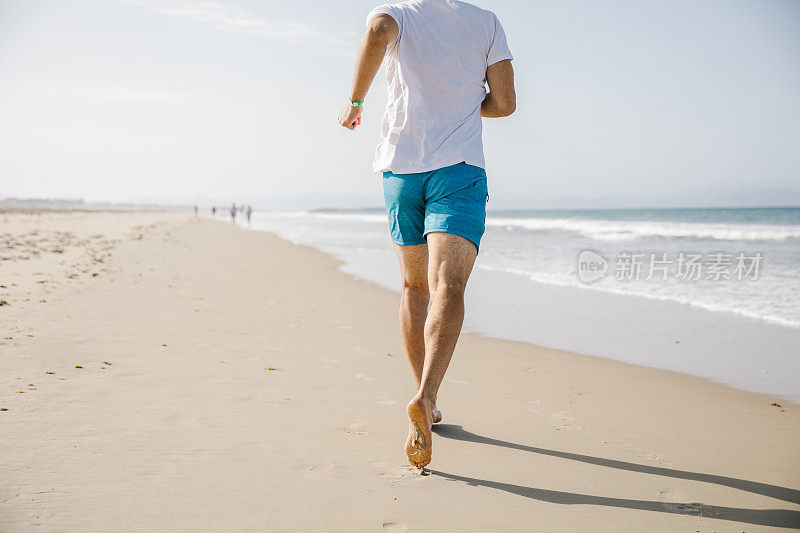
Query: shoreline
(342, 266)
(717, 346)
(212, 364)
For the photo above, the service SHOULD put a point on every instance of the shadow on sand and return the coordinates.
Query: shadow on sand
(764, 517)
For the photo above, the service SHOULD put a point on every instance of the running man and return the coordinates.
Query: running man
(441, 54)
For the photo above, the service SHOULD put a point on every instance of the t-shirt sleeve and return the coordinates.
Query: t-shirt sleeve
(498, 51)
(392, 11)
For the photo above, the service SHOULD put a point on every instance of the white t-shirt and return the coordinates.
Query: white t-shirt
(436, 77)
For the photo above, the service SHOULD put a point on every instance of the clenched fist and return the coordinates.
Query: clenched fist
(350, 117)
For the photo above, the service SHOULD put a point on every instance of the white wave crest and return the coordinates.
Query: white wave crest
(604, 230)
(552, 279)
(611, 230)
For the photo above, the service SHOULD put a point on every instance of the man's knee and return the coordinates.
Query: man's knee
(416, 289)
(449, 290)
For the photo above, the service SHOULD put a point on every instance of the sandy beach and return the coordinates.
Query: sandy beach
(162, 372)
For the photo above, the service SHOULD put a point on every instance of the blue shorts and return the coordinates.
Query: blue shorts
(448, 200)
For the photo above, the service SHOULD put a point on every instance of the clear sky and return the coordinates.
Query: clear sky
(638, 102)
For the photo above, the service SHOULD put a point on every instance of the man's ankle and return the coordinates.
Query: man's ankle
(427, 399)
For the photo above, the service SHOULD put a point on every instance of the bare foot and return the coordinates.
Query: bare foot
(418, 445)
(437, 415)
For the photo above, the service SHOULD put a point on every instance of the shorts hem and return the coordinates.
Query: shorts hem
(404, 243)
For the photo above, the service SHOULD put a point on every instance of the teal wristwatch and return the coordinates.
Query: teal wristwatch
(356, 104)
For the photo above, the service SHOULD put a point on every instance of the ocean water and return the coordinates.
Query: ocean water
(613, 277)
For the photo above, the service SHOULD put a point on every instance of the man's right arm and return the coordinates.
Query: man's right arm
(381, 30)
(502, 98)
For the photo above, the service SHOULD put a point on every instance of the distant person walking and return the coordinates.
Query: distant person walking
(249, 213)
(233, 213)
(213, 211)
(440, 56)
(195, 209)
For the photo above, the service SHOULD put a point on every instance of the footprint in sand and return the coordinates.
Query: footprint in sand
(562, 420)
(532, 404)
(692, 508)
(357, 428)
(405, 473)
(672, 496)
(316, 467)
(649, 455)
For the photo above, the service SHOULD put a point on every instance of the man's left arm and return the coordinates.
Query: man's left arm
(381, 31)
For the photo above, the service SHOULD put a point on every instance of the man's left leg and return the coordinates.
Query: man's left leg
(450, 262)
(414, 300)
